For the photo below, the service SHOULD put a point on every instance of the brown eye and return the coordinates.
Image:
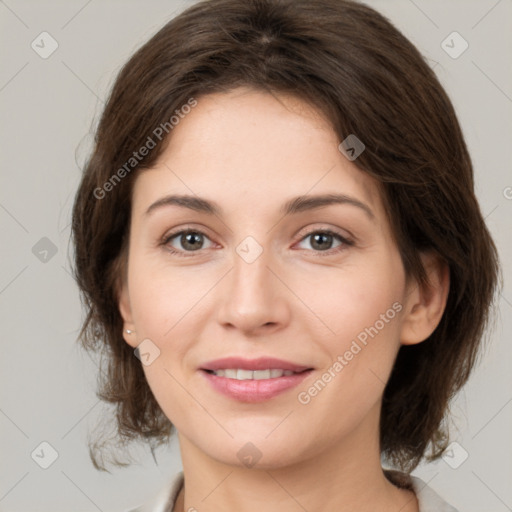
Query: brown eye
(187, 240)
(322, 240)
(191, 241)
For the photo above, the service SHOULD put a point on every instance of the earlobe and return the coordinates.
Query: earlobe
(129, 334)
(425, 304)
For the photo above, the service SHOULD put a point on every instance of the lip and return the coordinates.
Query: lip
(254, 390)
(262, 363)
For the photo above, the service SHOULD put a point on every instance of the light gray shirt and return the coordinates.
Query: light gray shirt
(428, 499)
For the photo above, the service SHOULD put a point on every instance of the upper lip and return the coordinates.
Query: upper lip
(262, 363)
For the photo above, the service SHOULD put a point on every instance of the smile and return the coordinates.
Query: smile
(253, 386)
(240, 374)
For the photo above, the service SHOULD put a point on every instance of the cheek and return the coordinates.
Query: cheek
(162, 296)
(162, 308)
(360, 312)
(158, 301)
(340, 303)
(352, 299)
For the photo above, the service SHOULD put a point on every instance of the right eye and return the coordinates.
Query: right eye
(191, 240)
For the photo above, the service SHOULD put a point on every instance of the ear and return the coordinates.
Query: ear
(126, 313)
(425, 304)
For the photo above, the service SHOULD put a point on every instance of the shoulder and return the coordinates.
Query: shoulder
(164, 500)
(428, 499)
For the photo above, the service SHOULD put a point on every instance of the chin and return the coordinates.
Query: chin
(254, 451)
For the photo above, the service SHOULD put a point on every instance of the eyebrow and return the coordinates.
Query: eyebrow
(295, 205)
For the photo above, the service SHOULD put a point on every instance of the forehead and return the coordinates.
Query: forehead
(248, 148)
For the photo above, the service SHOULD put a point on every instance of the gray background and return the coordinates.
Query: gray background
(48, 109)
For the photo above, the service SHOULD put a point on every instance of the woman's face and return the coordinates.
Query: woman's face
(320, 286)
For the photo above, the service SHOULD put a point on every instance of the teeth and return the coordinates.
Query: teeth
(240, 374)
(244, 374)
(261, 374)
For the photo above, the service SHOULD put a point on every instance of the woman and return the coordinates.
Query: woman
(280, 249)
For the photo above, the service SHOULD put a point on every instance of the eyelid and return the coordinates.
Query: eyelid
(325, 228)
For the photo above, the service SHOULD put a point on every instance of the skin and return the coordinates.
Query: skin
(250, 151)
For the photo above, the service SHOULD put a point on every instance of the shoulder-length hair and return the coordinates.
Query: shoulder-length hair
(367, 79)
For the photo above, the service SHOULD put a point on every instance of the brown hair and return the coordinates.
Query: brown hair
(367, 79)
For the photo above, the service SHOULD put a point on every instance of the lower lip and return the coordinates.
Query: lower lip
(254, 390)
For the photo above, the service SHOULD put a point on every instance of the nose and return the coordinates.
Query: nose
(254, 299)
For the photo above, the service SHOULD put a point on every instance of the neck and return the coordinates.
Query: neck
(345, 476)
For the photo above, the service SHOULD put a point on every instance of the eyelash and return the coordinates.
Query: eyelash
(330, 252)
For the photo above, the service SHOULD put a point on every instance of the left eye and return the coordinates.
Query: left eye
(322, 241)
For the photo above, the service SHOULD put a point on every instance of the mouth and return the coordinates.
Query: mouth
(240, 374)
(253, 381)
